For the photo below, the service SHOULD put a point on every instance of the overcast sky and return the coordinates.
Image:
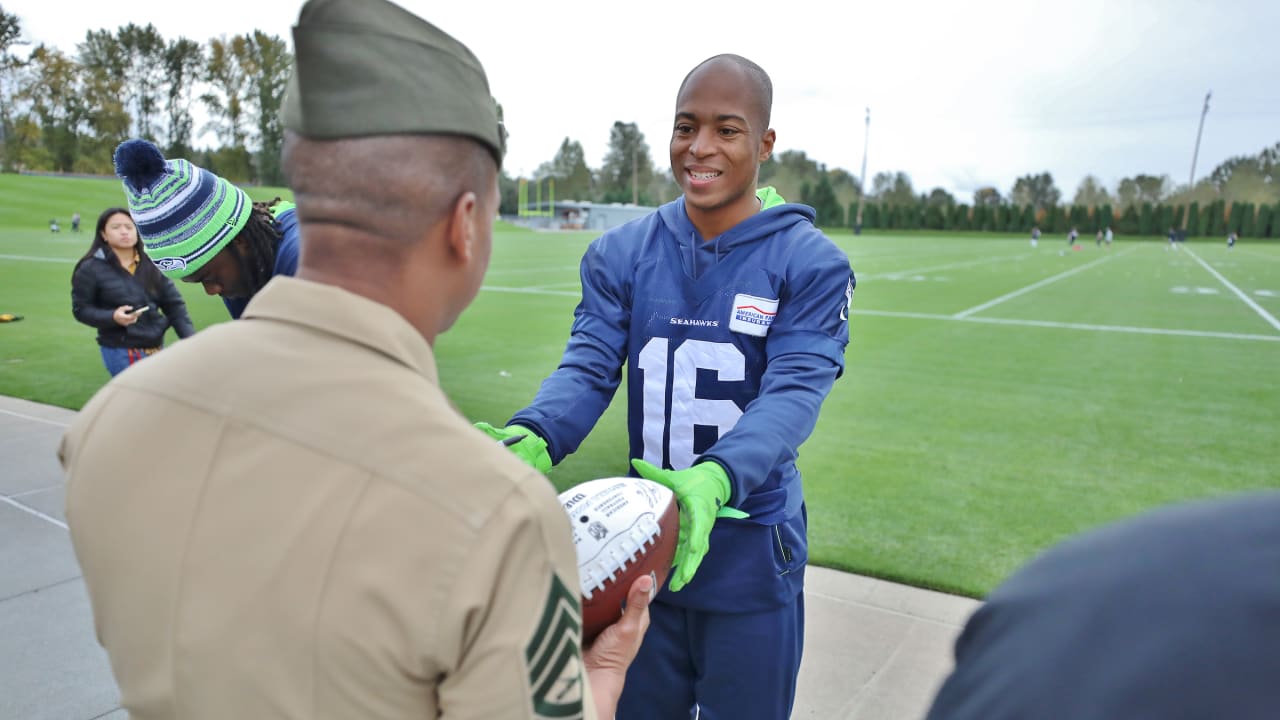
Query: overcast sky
(961, 94)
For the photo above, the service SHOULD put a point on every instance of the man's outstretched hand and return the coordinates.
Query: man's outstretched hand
(522, 441)
(702, 492)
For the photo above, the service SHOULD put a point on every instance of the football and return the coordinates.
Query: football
(623, 528)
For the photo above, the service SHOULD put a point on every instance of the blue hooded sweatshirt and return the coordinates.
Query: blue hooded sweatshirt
(730, 345)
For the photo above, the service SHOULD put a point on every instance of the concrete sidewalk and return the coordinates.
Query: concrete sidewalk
(873, 650)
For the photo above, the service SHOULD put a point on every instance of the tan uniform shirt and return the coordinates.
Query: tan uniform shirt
(284, 517)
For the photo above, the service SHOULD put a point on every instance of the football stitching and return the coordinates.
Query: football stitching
(641, 535)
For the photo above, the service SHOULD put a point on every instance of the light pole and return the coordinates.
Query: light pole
(862, 178)
(1191, 181)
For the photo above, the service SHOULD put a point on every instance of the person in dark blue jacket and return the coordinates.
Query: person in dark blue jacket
(201, 228)
(1174, 613)
(118, 290)
(731, 319)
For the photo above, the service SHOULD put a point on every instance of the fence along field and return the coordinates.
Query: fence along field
(996, 398)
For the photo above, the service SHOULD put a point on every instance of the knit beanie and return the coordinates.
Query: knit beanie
(185, 215)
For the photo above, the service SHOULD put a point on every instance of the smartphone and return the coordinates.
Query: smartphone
(140, 309)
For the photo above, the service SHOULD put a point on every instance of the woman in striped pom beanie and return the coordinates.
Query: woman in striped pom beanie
(201, 228)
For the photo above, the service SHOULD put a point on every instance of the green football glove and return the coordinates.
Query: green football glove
(701, 491)
(522, 441)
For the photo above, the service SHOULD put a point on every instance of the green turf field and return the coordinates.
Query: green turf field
(997, 397)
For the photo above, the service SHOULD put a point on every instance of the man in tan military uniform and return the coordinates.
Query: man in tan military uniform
(284, 517)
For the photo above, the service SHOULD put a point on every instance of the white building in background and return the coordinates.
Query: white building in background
(575, 215)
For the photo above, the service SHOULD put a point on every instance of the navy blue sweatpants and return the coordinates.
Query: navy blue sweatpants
(715, 666)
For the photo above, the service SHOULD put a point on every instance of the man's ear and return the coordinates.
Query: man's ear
(766, 144)
(463, 226)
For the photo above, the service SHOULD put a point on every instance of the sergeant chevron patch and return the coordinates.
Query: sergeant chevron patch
(554, 655)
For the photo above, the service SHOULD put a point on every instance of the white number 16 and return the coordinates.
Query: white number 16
(687, 409)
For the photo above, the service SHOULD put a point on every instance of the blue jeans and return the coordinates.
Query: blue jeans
(117, 359)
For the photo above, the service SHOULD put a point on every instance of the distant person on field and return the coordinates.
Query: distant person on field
(1035, 235)
(118, 290)
(1108, 236)
(201, 228)
(1174, 613)
(1231, 240)
(286, 517)
(1072, 236)
(727, 311)
(1173, 238)
(53, 226)
(75, 222)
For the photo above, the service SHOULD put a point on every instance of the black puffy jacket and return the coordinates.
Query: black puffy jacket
(99, 287)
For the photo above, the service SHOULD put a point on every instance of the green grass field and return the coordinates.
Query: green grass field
(997, 398)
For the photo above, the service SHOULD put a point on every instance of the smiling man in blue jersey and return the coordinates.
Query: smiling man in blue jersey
(729, 310)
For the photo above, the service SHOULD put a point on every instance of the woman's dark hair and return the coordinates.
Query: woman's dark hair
(146, 272)
(263, 238)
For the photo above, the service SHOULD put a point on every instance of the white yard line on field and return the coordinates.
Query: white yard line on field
(33, 511)
(950, 266)
(862, 259)
(575, 285)
(1073, 326)
(490, 273)
(985, 320)
(530, 291)
(1239, 293)
(1022, 291)
(30, 258)
(525, 271)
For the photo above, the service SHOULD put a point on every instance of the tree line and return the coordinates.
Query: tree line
(61, 113)
(65, 113)
(1241, 195)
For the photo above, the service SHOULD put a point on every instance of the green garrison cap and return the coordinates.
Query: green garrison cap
(370, 67)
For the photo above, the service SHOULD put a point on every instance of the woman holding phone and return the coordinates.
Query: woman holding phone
(118, 290)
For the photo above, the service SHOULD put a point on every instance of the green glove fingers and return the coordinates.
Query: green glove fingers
(523, 442)
(491, 431)
(732, 512)
(701, 491)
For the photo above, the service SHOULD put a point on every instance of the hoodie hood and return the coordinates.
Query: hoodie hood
(700, 255)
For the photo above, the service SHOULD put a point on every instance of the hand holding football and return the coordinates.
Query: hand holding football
(623, 528)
